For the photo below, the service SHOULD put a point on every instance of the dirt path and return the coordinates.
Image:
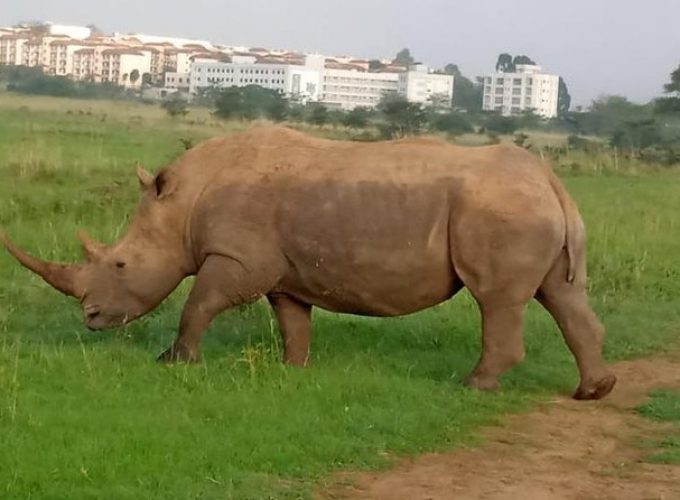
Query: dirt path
(564, 450)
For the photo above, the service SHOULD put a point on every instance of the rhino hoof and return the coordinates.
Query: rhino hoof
(179, 354)
(596, 390)
(482, 383)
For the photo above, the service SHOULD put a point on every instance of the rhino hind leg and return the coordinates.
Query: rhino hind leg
(502, 343)
(583, 332)
(295, 324)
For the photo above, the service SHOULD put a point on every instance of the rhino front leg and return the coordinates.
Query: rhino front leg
(221, 283)
(295, 324)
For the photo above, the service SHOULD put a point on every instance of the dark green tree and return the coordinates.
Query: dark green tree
(671, 103)
(452, 123)
(467, 95)
(400, 117)
(375, 65)
(521, 59)
(563, 98)
(357, 118)
(134, 76)
(318, 114)
(504, 63)
(175, 106)
(404, 58)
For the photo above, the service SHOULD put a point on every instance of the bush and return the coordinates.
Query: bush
(175, 106)
(453, 123)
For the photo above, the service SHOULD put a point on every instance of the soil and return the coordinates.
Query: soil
(564, 450)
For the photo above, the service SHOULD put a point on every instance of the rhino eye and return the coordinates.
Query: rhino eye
(120, 265)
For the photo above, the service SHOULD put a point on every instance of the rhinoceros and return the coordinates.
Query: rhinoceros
(377, 229)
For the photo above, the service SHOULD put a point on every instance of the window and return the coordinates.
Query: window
(516, 100)
(517, 81)
(499, 81)
(499, 90)
(499, 100)
(517, 91)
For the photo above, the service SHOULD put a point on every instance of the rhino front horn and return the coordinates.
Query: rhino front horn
(63, 277)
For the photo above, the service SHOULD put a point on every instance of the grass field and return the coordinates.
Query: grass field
(91, 415)
(664, 407)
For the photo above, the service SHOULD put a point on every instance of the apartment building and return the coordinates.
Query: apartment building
(299, 82)
(421, 85)
(528, 88)
(347, 89)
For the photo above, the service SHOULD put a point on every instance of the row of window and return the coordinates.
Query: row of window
(249, 71)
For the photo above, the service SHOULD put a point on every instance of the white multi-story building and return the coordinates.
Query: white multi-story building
(348, 89)
(421, 85)
(528, 88)
(295, 81)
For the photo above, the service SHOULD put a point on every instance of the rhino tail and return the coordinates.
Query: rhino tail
(575, 230)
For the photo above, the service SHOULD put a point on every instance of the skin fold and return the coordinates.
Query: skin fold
(376, 229)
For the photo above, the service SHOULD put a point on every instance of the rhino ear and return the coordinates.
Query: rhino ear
(165, 184)
(145, 177)
(93, 249)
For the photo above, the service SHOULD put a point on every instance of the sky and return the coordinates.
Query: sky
(623, 47)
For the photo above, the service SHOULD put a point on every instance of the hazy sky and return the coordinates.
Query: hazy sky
(599, 46)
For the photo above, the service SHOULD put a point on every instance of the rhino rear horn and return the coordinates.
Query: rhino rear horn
(92, 249)
(63, 277)
(145, 177)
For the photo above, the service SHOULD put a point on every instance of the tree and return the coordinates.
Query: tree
(375, 65)
(146, 79)
(467, 95)
(357, 118)
(404, 58)
(521, 59)
(670, 104)
(438, 102)
(501, 124)
(175, 106)
(504, 63)
(673, 87)
(452, 123)
(134, 76)
(318, 114)
(251, 102)
(401, 117)
(507, 64)
(563, 97)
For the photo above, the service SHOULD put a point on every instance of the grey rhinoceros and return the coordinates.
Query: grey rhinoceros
(378, 229)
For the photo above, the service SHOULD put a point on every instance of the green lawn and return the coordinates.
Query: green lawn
(91, 415)
(665, 407)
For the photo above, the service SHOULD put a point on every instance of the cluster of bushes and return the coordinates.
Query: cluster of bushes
(33, 81)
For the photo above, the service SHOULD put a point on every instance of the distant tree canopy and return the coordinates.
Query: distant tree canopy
(375, 65)
(563, 98)
(400, 117)
(671, 103)
(250, 102)
(175, 106)
(467, 94)
(507, 64)
(404, 58)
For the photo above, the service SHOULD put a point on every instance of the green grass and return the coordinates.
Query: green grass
(665, 407)
(90, 415)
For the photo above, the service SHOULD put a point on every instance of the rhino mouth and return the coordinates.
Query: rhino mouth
(95, 319)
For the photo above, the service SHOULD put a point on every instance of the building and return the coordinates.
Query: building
(347, 89)
(528, 88)
(178, 81)
(423, 86)
(298, 82)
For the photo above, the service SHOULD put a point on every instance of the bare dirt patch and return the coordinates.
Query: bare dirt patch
(564, 450)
